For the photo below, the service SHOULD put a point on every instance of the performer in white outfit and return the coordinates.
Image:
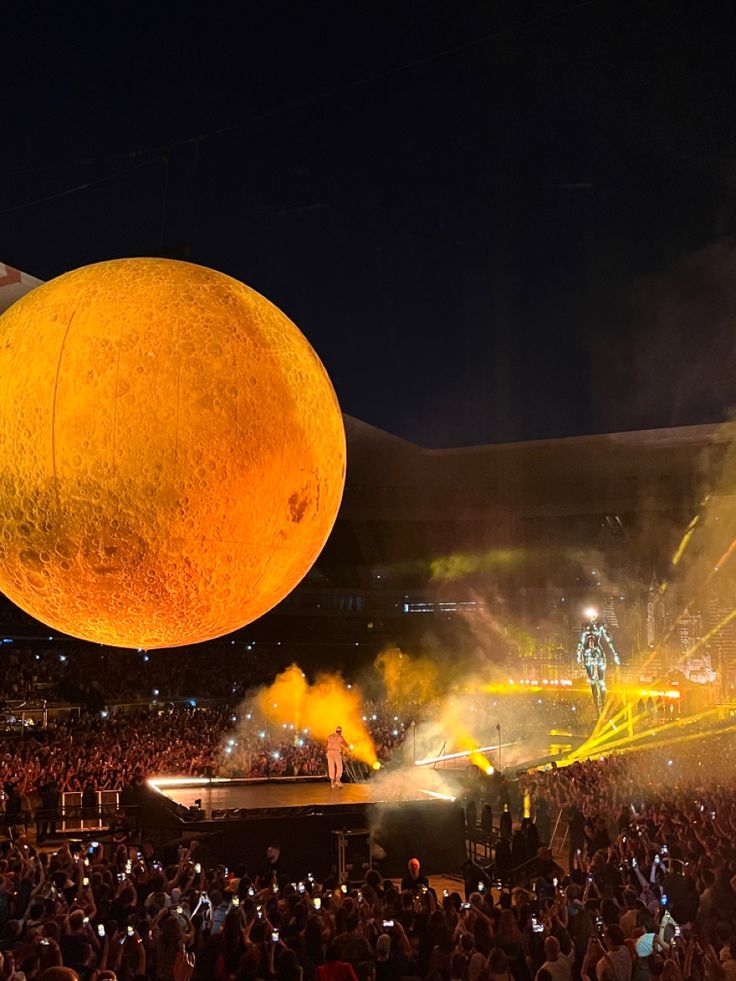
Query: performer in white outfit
(335, 743)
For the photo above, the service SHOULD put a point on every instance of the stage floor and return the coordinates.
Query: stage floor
(239, 819)
(256, 796)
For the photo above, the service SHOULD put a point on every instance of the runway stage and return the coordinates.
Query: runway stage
(276, 795)
(238, 819)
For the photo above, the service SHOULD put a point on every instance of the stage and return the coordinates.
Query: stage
(280, 794)
(236, 820)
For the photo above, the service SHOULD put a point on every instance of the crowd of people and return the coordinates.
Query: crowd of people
(88, 753)
(648, 889)
(59, 670)
(108, 752)
(645, 887)
(650, 862)
(119, 914)
(259, 750)
(650, 893)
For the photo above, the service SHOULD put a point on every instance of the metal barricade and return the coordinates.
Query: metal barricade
(75, 817)
(357, 772)
(353, 854)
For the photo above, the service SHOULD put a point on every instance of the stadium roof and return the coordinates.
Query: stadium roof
(492, 489)
(14, 284)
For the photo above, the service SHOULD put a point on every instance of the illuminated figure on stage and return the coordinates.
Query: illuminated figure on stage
(335, 744)
(594, 639)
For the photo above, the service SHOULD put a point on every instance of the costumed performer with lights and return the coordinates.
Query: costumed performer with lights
(591, 652)
(335, 743)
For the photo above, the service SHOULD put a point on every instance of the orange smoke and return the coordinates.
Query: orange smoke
(459, 722)
(320, 708)
(481, 762)
(408, 679)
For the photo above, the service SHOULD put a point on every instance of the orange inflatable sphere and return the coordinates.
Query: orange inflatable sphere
(172, 453)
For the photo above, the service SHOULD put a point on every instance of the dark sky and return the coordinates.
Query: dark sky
(482, 215)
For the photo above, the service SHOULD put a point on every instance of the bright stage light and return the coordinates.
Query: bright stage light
(591, 613)
(437, 795)
(158, 782)
(461, 755)
(479, 760)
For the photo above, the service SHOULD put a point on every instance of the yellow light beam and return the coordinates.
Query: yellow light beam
(717, 568)
(711, 633)
(458, 756)
(601, 739)
(647, 734)
(679, 740)
(601, 736)
(608, 735)
(605, 744)
(685, 541)
(437, 795)
(605, 717)
(613, 718)
(723, 560)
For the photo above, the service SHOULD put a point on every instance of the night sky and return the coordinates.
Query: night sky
(494, 221)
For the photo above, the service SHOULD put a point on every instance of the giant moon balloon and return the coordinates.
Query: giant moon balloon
(172, 453)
